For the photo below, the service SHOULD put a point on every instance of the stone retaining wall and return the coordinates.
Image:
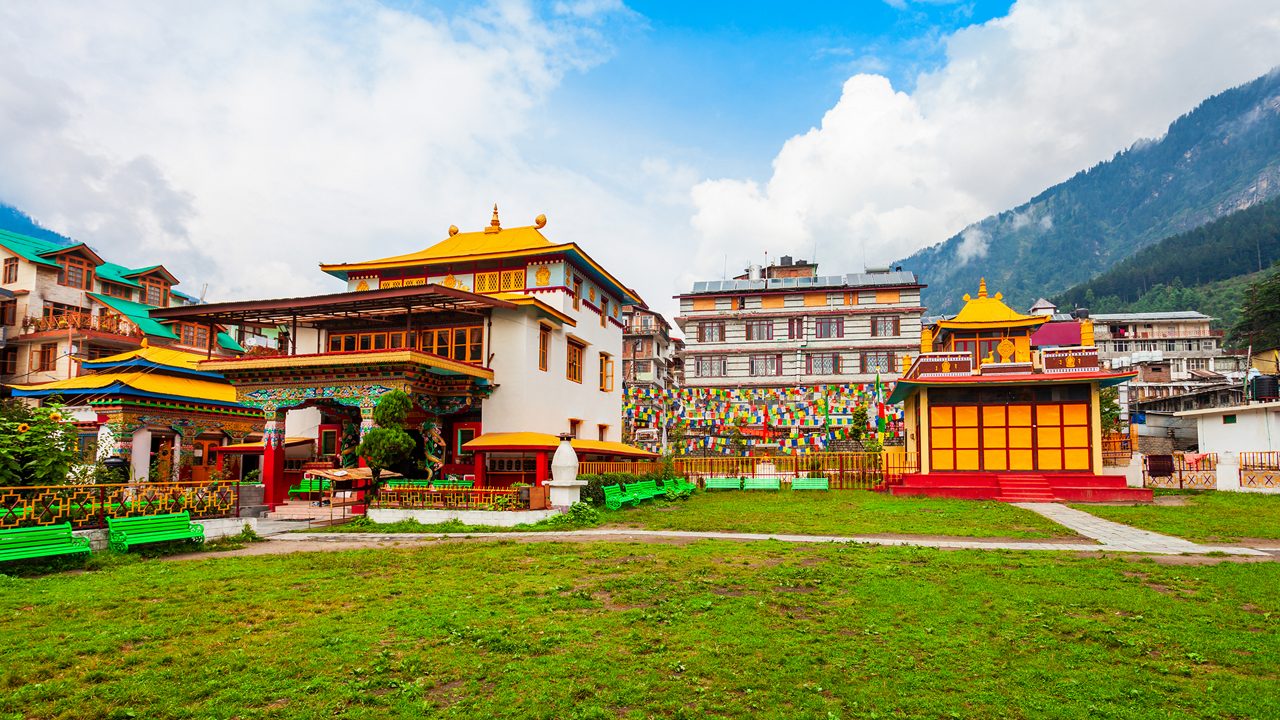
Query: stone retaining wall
(491, 518)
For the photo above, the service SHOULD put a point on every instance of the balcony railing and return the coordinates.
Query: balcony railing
(111, 324)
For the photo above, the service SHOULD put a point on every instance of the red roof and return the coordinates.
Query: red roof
(1057, 334)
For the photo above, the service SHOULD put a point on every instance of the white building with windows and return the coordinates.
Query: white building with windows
(785, 325)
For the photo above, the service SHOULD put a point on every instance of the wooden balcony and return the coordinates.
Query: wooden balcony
(109, 324)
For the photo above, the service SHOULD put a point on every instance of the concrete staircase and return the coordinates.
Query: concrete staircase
(1024, 488)
(305, 511)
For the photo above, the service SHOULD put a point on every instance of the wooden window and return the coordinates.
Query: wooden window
(328, 442)
(53, 310)
(9, 361)
(766, 365)
(75, 272)
(888, 297)
(488, 282)
(155, 292)
(830, 327)
(815, 299)
(573, 362)
(772, 301)
(117, 290)
(575, 427)
(795, 328)
(512, 280)
(851, 298)
(737, 303)
(704, 303)
(711, 332)
(760, 329)
(602, 432)
(877, 362)
(10, 270)
(606, 373)
(544, 347)
(8, 313)
(822, 364)
(711, 366)
(462, 437)
(196, 336)
(885, 326)
(577, 293)
(45, 358)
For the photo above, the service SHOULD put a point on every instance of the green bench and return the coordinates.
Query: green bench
(722, 483)
(811, 483)
(37, 542)
(310, 486)
(443, 484)
(764, 483)
(645, 489)
(615, 497)
(128, 531)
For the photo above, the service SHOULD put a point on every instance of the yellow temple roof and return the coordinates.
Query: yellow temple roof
(494, 242)
(984, 312)
(147, 383)
(178, 359)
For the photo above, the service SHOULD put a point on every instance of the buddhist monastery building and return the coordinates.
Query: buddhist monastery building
(504, 340)
(155, 408)
(993, 417)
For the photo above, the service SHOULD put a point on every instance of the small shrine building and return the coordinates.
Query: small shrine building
(502, 338)
(994, 417)
(155, 408)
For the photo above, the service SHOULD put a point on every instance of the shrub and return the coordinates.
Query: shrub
(37, 445)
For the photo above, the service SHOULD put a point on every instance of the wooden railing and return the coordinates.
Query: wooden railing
(1118, 447)
(89, 506)
(1260, 460)
(1260, 470)
(843, 470)
(420, 498)
(113, 324)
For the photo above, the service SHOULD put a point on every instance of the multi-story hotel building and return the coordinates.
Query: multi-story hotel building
(70, 306)
(648, 352)
(785, 325)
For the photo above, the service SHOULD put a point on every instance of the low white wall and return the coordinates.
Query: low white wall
(213, 528)
(492, 518)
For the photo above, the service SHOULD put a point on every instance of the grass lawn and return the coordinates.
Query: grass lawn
(1208, 516)
(838, 512)
(609, 630)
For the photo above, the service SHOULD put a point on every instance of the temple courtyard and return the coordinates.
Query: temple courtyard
(679, 610)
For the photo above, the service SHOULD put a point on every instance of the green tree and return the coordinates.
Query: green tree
(1259, 323)
(388, 444)
(1109, 408)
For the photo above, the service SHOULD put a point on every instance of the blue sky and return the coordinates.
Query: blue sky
(724, 84)
(243, 143)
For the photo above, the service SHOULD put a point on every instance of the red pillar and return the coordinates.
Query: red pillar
(275, 488)
(479, 469)
(540, 478)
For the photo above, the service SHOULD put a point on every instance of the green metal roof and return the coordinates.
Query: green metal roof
(29, 248)
(137, 313)
(228, 342)
(111, 272)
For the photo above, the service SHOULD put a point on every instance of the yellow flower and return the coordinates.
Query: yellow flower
(23, 427)
(56, 417)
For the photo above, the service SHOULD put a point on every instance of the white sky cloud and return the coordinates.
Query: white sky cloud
(1021, 103)
(243, 143)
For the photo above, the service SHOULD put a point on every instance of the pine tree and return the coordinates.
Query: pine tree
(1259, 323)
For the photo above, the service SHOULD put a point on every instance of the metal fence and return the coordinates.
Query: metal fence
(421, 498)
(843, 470)
(89, 506)
(1182, 471)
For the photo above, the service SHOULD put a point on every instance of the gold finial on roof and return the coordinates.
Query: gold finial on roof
(453, 230)
(145, 343)
(982, 288)
(494, 225)
(540, 221)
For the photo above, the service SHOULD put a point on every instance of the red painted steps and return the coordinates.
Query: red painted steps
(1024, 488)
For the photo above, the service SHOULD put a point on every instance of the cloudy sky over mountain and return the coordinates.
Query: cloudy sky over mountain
(243, 143)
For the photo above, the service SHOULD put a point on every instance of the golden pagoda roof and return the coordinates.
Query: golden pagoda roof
(135, 383)
(494, 242)
(169, 357)
(987, 312)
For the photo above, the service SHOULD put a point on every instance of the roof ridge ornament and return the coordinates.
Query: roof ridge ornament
(982, 288)
(540, 221)
(494, 225)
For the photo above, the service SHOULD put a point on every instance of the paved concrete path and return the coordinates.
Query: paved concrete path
(1126, 538)
(1111, 537)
